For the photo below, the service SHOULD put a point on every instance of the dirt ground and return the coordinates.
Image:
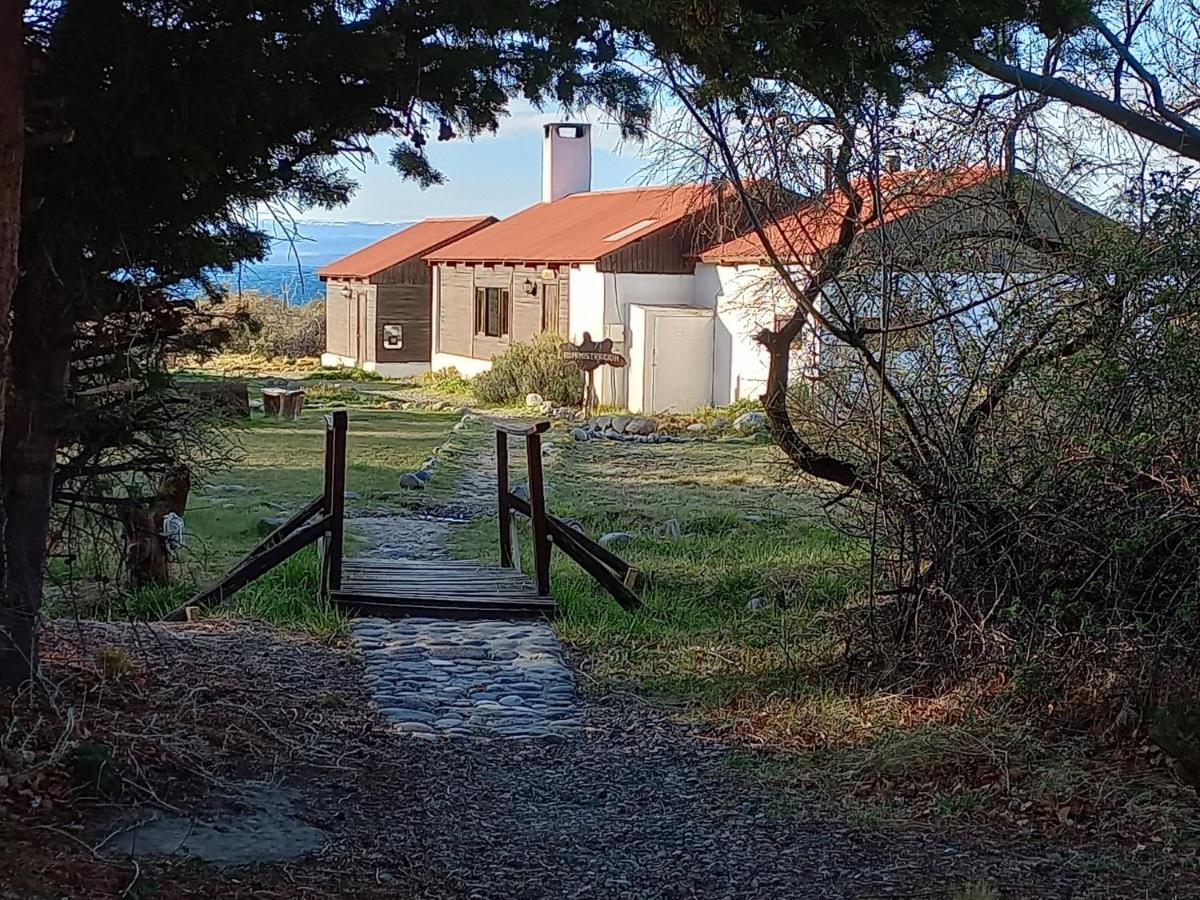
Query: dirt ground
(228, 735)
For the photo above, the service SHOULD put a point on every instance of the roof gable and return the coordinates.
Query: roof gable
(580, 227)
(414, 241)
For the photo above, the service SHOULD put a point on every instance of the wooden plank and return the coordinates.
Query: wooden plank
(537, 518)
(264, 562)
(506, 517)
(523, 429)
(337, 422)
(515, 587)
(557, 526)
(580, 548)
(356, 606)
(448, 595)
(293, 522)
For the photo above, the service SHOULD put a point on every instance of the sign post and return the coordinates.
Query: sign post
(589, 355)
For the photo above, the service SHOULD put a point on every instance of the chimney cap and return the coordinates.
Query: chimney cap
(579, 128)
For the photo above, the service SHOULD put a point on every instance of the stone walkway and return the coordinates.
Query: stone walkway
(436, 678)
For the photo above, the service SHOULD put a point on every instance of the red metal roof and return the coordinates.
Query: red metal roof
(816, 224)
(415, 240)
(580, 227)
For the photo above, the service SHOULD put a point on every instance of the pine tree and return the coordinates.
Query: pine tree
(157, 130)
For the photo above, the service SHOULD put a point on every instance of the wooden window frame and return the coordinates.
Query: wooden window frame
(484, 326)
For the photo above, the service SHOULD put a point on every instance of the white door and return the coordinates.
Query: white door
(681, 362)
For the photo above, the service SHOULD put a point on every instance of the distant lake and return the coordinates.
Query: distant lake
(298, 251)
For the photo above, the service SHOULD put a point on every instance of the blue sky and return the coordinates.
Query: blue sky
(495, 174)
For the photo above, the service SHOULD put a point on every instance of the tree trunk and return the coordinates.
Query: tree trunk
(40, 354)
(16, 629)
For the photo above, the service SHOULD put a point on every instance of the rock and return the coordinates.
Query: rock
(545, 407)
(642, 426)
(601, 423)
(412, 481)
(534, 400)
(756, 603)
(671, 529)
(580, 435)
(269, 523)
(470, 418)
(615, 538)
(719, 424)
(620, 423)
(750, 423)
(574, 523)
(351, 495)
(697, 427)
(521, 492)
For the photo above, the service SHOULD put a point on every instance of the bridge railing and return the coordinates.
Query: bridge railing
(617, 576)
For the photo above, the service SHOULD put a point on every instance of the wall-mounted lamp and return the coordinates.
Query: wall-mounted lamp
(530, 287)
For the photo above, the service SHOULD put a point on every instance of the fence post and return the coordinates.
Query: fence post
(537, 509)
(505, 509)
(337, 422)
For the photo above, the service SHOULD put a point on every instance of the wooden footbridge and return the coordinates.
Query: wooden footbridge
(458, 589)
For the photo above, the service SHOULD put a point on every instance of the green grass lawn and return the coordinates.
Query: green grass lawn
(776, 680)
(746, 533)
(276, 467)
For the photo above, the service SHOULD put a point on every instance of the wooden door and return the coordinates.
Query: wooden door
(550, 307)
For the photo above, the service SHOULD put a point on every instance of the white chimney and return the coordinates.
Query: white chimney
(566, 160)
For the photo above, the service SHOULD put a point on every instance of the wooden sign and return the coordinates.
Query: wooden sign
(589, 355)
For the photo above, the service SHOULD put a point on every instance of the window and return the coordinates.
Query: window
(491, 311)
(393, 337)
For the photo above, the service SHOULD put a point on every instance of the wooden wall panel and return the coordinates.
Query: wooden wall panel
(526, 309)
(337, 319)
(564, 303)
(411, 271)
(408, 305)
(457, 303)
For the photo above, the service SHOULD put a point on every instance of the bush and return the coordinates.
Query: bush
(446, 381)
(277, 328)
(536, 367)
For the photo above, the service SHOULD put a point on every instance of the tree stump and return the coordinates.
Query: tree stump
(147, 556)
(283, 403)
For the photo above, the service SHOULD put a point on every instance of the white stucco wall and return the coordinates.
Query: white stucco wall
(748, 297)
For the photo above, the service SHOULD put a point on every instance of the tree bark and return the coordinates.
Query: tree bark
(40, 355)
(16, 629)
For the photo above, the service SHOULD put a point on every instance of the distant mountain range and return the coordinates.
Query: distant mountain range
(298, 251)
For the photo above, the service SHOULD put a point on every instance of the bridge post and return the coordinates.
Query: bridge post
(537, 509)
(336, 425)
(504, 507)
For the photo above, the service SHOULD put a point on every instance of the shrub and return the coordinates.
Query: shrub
(446, 381)
(276, 328)
(536, 367)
